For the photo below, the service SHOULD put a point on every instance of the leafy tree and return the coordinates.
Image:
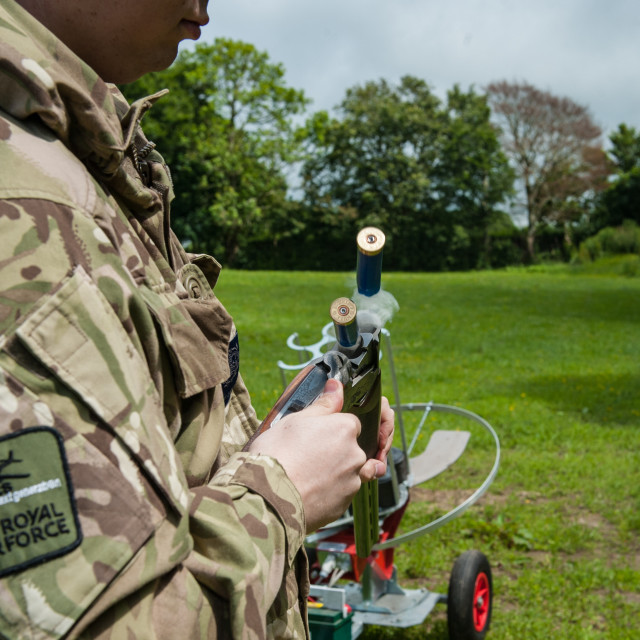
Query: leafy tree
(472, 173)
(429, 174)
(226, 130)
(622, 239)
(625, 148)
(554, 145)
(621, 199)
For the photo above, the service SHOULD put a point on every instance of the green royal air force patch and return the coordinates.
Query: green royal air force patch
(38, 517)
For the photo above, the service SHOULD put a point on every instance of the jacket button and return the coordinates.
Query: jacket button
(193, 288)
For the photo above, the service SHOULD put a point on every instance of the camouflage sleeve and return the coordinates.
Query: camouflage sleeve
(248, 527)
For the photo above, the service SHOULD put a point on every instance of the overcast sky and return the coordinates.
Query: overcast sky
(587, 50)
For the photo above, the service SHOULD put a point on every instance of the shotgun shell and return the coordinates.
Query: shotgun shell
(343, 313)
(369, 267)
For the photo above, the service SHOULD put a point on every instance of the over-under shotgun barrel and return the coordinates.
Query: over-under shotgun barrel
(355, 361)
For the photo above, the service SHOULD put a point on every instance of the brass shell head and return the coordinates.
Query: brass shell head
(370, 241)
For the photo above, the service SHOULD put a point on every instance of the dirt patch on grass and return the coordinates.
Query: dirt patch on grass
(447, 499)
(631, 598)
(541, 558)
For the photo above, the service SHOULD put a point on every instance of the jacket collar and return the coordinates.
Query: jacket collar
(40, 77)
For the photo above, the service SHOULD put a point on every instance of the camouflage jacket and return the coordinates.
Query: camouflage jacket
(127, 508)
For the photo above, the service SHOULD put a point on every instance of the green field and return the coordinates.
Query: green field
(551, 359)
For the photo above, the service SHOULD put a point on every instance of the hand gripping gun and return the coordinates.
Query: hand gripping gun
(354, 361)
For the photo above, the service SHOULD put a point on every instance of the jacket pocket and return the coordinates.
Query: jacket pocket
(77, 335)
(196, 330)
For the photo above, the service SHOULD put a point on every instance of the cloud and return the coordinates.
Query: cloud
(588, 50)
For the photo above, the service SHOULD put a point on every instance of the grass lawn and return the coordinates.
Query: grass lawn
(552, 360)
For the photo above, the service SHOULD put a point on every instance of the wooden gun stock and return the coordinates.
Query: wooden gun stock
(286, 397)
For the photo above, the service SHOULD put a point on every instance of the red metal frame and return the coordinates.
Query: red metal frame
(380, 561)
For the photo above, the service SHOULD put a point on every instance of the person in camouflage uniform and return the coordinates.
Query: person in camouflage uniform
(128, 507)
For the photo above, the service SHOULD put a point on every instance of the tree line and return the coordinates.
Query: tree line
(263, 184)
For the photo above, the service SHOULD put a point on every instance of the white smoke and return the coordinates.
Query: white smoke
(375, 310)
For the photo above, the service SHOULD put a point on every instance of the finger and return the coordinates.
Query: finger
(372, 469)
(387, 413)
(383, 454)
(386, 434)
(387, 426)
(329, 402)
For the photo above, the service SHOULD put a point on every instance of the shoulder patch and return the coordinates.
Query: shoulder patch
(234, 367)
(38, 515)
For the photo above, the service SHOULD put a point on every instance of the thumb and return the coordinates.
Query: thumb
(330, 401)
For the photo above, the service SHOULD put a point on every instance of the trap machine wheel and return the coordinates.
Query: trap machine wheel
(470, 597)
